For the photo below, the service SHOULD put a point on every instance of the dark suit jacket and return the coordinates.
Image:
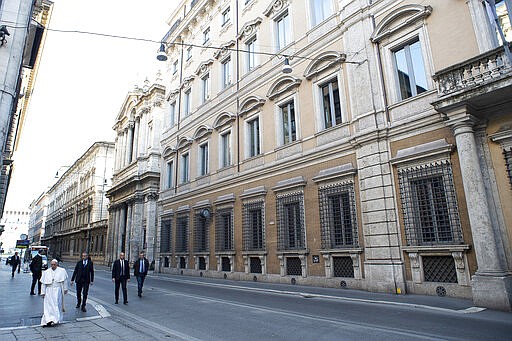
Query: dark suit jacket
(136, 267)
(36, 265)
(15, 261)
(116, 269)
(83, 274)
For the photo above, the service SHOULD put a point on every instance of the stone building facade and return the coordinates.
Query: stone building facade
(37, 223)
(380, 161)
(134, 193)
(77, 212)
(22, 36)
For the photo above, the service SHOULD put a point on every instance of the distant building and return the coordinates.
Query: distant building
(22, 36)
(134, 191)
(78, 208)
(15, 223)
(38, 212)
(361, 144)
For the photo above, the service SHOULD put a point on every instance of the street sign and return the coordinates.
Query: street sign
(22, 244)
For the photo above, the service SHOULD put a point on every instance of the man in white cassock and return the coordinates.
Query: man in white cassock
(54, 286)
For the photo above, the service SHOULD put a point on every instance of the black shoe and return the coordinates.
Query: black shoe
(84, 310)
(117, 302)
(77, 305)
(126, 302)
(32, 293)
(140, 295)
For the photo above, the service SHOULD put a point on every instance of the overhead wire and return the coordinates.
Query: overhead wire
(184, 44)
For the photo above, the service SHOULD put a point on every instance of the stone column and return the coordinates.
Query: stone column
(492, 286)
(116, 228)
(151, 224)
(109, 245)
(130, 242)
(116, 153)
(121, 149)
(136, 141)
(122, 230)
(137, 226)
(129, 143)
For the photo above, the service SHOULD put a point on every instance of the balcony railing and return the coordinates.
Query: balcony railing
(475, 72)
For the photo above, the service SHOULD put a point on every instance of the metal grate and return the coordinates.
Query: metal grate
(290, 217)
(343, 267)
(508, 162)
(202, 263)
(166, 262)
(182, 233)
(165, 236)
(338, 216)
(226, 264)
(201, 224)
(255, 265)
(183, 263)
(429, 205)
(439, 269)
(224, 230)
(293, 266)
(253, 226)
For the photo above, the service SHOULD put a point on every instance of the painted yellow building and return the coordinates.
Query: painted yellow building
(357, 144)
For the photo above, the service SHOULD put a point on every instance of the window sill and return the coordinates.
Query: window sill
(437, 248)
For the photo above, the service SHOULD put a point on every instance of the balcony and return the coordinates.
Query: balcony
(479, 82)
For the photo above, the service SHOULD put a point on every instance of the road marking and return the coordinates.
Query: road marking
(123, 314)
(470, 310)
(355, 326)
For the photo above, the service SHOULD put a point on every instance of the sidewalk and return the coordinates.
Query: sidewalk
(20, 315)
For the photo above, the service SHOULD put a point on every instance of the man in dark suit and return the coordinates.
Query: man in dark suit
(84, 275)
(121, 275)
(36, 266)
(15, 263)
(140, 270)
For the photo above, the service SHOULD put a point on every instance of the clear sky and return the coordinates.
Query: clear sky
(82, 82)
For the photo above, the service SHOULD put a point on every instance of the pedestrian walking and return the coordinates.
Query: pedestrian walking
(121, 275)
(54, 287)
(140, 270)
(36, 267)
(15, 263)
(84, 276)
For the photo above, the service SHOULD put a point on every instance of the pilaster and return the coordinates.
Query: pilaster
(383, 264)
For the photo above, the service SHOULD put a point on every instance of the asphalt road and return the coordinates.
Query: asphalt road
(207, 309)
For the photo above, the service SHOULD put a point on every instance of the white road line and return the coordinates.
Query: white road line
(355, 326)
(133, 317)
(470, 310)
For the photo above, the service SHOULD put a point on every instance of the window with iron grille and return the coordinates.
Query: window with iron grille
(255, 265)
(293, 266)
(429, 205)
(254, 226)
(166, 262)
(165, 236)
(182, 233)
(290, 217)
(508, 161)
(226, 264)
(439, 269)
(201, 232)
(183, 263)
(343, 267)
(338, 216)
(224, 230)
